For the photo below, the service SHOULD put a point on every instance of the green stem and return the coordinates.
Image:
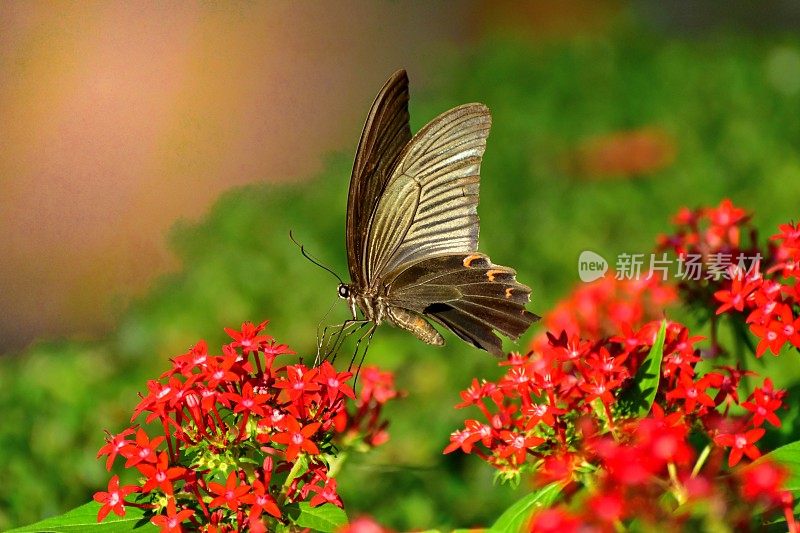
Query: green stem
(679, 491)
(743, 339)
(701, 460)
(335, 464)
(297, 468)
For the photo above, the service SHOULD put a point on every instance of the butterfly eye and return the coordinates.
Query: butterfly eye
(344, 291)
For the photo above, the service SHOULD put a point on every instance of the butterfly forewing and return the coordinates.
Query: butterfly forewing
(386, 132)
(429, 205)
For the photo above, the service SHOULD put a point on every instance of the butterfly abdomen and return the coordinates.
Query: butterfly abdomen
(415, 324)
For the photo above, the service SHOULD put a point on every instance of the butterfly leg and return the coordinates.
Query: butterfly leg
(319, 326)
(368, 336)
(323, 339)
(347, 328)
(328, 336)
(361, 324)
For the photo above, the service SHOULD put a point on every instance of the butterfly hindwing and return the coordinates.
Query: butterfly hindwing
(467, 294)
(386, 132)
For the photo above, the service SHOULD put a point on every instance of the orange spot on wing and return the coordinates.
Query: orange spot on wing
(492, 273)
(508, 292)
(470, 258)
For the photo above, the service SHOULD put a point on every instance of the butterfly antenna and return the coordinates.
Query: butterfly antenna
(312, 259)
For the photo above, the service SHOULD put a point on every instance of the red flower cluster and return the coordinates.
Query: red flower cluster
(607, 306)
(708, 243)
(771, 300)
(735, 282)
(242, 438)
(700, 500)
(573, 411)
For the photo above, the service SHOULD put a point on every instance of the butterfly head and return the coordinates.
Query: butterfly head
(344, 291)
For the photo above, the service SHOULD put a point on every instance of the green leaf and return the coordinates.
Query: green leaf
(325, 518)
(639, 396)
(84, 518)
(789, 457)
(514, 518)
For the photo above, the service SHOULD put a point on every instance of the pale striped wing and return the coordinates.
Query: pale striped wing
(429, 205)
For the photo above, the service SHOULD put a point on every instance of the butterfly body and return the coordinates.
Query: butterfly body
(412, 228)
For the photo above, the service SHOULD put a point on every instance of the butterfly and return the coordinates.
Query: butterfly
(412, 228)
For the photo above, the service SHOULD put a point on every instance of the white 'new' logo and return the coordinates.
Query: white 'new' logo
(591, 266)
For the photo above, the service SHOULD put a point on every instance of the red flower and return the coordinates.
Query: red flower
(772, 337)
(628, 465)
(763, 481)
(463, 439)
(607, 508)
(143, 449)
(765, 302)
(554, 521)
(248, 401)
(735, 296)
(558, 467)
(219, 369)
(335, 383)
(114, 499)
(377, 385)
(261, 500)
(160, 475)
(325, 494)
(741, 443)
(299, 381)
(691, 392)
(171, 522)
(763, 408)
(517, 445)
(726, 214)
(542, 412)
(601, 388)
(601, 308)
(363, 524)
(114, 446)
(473, 395)
(664, 438)
(677, 362)
(603, 363)
(297, 438)
(728, 384)
(231, 494)
(193, 359)
(248, 339)
(791, 325)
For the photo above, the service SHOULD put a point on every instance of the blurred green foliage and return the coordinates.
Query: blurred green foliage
(737, 134)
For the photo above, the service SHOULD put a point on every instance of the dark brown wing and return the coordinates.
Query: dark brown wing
(386, 132)
(468, 295)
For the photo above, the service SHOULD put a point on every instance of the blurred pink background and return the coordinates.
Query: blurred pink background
(118, 118)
